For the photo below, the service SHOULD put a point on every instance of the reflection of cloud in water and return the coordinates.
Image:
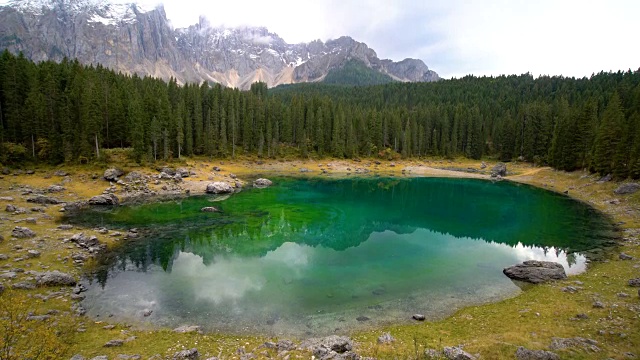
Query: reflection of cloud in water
(572, 263)
(230, 278)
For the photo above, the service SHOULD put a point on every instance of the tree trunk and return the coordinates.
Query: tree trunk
(97, 148)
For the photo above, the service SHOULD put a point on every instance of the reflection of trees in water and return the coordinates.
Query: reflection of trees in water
(340, 214)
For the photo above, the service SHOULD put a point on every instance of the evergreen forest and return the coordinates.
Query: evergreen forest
(67, 112)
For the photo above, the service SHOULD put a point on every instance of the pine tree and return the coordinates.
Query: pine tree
(608, 137)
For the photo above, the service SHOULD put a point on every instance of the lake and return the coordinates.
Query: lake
(316, 256)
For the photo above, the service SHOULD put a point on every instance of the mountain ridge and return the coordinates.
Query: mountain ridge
(133, 39)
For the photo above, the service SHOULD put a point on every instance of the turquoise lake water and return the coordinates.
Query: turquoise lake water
(321, 256)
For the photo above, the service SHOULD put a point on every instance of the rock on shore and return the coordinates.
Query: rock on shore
(536, 272)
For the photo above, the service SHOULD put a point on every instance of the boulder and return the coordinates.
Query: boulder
(577, 342)
(10, 208)
(526, 354)
(456, 353)
(500, 169)
(262, 183)
(209, 209)
(634, 282)
(624, 256)
(183, 172)
(43, 200)
(536, 272)
(114, 343)
(627, 188)
(60, 173)
(112, 174)
(104, 200)
(418, 317)
(219, 187)
(328, 347)
(55, 278)
(191, 354)
(133, 176)
(22, 232)
(164, 176)
(55, 188)
(188, 329)
(385, 338)
(169, 171)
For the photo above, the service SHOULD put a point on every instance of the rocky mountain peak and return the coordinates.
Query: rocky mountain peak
(134, 39)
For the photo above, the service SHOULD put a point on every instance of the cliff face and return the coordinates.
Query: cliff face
(131, 39)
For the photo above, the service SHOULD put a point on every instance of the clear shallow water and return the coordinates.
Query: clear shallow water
(312, 256)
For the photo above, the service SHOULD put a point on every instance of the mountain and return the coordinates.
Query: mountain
(133, 39)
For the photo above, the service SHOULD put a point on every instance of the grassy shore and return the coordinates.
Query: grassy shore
(494, 331)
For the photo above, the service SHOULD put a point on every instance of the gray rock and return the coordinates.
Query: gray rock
(133, 176)
(262, 183)
(164, 176)
(6, 198)
(8, 275)
(55, 188)
(77, 357)
(285, 345)
(209, 209)
(219, 187)
(33, 253)
(536, 272)
(191, 354)
(526, 354)
(605, 178)
(624, 256)
(627, 188)
(327, 347)
(65, 227)
(182, 172)
(100, 357)
(385, 338)
(577, 342)
(44, 200)
(169, 171)
(22, 232)
(418, 317)
(128, 357)
(4, 257)
(147, 312)
(24, 285)
(188, 329)
(634, 282)
(104, 200)
(112, 174)
(456, 353)
(598, 304)
(483, 165)
(499, 170)
(55, 278)
(216, 168)
(10, 208)
(114, 343)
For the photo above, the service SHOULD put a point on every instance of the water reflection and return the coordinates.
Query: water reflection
(310, 257)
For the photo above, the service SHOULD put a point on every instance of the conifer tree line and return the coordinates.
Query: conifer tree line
(68, 112)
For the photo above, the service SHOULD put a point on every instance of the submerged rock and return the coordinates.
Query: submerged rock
(627, 188)
(262, 183)
(418, 317)
(104, 200)
(536, 272)
(219, 187)
(526, 354)
(209, 209)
